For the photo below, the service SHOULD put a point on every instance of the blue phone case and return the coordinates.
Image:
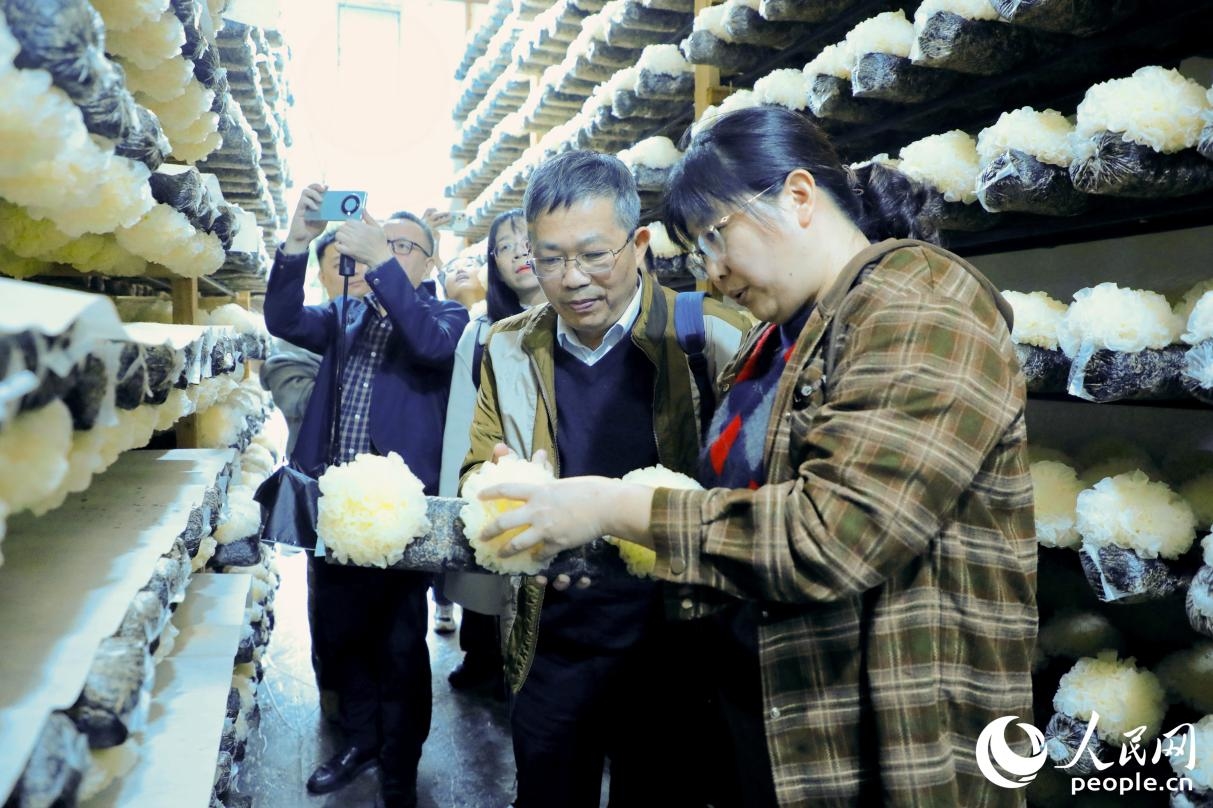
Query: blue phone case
(339, 206)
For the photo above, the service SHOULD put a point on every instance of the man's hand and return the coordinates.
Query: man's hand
(299, 236)
(436, 218)
(364, 241)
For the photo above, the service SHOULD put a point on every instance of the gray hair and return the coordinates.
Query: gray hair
(573, 176)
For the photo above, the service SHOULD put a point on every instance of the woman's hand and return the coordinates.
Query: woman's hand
(571, 513)
(303, 230)
(562, 515)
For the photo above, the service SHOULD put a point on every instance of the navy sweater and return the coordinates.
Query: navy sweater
(604, 426)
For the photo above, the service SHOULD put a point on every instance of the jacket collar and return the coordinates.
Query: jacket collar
(539, 332)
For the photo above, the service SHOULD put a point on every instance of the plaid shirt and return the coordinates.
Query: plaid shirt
(891, 547)
(358, 382)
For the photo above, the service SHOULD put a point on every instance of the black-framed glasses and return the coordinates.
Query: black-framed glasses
(404, 246)
(591, 262)
(711, 241)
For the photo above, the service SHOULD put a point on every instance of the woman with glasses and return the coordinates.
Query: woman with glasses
(868, 503)
(512, 289)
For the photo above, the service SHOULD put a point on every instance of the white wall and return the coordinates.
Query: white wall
(374, 88)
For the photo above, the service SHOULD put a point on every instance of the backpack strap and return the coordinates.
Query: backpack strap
(692, 338)
(836, 333)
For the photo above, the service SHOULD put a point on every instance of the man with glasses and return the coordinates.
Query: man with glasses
(597, 380)
(399, 346)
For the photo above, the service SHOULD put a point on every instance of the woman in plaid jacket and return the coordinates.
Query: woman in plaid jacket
(867, 502)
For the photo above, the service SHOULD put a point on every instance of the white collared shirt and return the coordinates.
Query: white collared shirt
(567, 338)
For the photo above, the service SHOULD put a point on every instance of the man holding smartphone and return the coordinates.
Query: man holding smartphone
(399, 345)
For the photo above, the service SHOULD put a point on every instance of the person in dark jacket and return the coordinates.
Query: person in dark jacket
(290, 374)
(399, 344)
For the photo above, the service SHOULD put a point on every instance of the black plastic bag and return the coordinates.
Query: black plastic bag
(1118, 167)
(1017, 181)
(1044, 370)
(982, 47)
(289, 507)
(1080, 17)
(887, 77)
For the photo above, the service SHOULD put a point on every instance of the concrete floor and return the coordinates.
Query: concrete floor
(467, 761)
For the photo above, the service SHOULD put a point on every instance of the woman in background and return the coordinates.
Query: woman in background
(512, 288)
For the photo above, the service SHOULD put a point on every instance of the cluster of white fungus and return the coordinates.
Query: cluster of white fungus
(1132, 512)
(1187, 675)
(786, 88)
(51, 165)
(641, 560)
(1055, 489)
(238, 317)
(653, 152)
(1125, 320)
(1125, 696)
(1047, 136)
(834, 60)
(888, 32)
(1037, 318)
(243, 516)
(165, 236)
(969, 9)
(1073, 635)
(370, 510)
(1183, 308)
(711, 19)
(34, 448)
(477, 513)
(1154, 107)
(947, 162)
(665, 60)
(256, 464)
(1200, 738)
(1200, 321)
(660, 243)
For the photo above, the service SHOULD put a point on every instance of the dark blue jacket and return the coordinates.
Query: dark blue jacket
(408, 401)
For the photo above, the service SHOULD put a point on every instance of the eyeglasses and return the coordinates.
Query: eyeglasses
(594, 262)
(711, 241)
(506, 247)
(403, 246)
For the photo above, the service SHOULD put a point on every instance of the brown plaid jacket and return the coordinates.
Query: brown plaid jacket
(892, 546)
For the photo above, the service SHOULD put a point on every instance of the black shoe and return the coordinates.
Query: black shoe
(340, 769)
(395, 792)
(468, 677)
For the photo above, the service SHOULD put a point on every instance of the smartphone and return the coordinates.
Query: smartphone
(457, 223)
(339, 206)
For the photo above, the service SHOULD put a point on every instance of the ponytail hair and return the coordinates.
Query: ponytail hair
(750, 150)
